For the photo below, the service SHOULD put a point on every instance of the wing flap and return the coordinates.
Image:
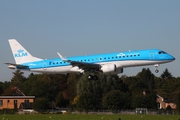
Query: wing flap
(85, 66)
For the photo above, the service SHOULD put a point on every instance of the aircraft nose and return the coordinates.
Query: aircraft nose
(171, 57)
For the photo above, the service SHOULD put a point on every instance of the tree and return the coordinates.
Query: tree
(86, 101)
(100, 87)
(72, 79)
(28, 84)
(40, 104)
(87, 87)
(115, 99)
(18, 79)
(1, 88)
(139, 101)
(147, 79)
(61, 101)
(177, 100)
(43, 86)
(166, 74)
(144, 101)
(77, 91)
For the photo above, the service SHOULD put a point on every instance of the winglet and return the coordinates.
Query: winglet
(64, 59)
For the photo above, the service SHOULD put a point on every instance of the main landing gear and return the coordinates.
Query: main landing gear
(92, 77)
(156, 68)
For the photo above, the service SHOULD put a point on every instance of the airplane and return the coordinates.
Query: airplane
(110, 63)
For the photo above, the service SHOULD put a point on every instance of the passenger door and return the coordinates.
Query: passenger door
(151, 55)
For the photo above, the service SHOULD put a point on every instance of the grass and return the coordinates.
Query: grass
(88, 117)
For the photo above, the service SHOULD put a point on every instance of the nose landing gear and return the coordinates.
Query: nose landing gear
(156, 68)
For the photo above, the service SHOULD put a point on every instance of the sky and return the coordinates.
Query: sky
(82, 27)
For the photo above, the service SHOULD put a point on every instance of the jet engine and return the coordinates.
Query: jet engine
(111, 68)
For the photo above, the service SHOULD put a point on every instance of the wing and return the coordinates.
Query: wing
(82, 65)
(18, 66)
(85, 66)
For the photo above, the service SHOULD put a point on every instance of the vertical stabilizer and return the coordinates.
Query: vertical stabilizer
(20, 54)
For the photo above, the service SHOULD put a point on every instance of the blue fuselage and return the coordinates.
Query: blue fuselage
(120, 59)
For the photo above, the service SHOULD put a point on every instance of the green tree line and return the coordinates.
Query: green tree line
(109, 92)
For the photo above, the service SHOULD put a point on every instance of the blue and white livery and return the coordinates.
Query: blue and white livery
(111, 63)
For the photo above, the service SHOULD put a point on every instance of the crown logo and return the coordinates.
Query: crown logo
(20, 51)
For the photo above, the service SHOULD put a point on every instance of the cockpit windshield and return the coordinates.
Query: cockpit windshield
(162, 52)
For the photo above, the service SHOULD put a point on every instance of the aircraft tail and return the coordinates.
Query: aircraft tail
(21, 55)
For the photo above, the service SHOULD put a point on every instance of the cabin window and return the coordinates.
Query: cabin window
(1, 102)
(162, 52)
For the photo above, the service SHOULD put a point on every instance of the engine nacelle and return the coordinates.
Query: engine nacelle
(108, 68)
(111, 68)
(118, 71)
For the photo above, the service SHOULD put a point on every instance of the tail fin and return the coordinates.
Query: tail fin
(21, 55)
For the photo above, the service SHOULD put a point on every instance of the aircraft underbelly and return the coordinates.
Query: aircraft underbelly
(133, 63)
(65, 69)
(119, 64)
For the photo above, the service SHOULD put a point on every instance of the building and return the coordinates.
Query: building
(16, 99)
(163, 104)
(16, 102)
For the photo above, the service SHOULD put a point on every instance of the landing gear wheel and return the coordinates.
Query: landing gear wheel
(156, 71)
(90, 77)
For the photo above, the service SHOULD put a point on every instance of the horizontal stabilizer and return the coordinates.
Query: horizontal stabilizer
(16, 66)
